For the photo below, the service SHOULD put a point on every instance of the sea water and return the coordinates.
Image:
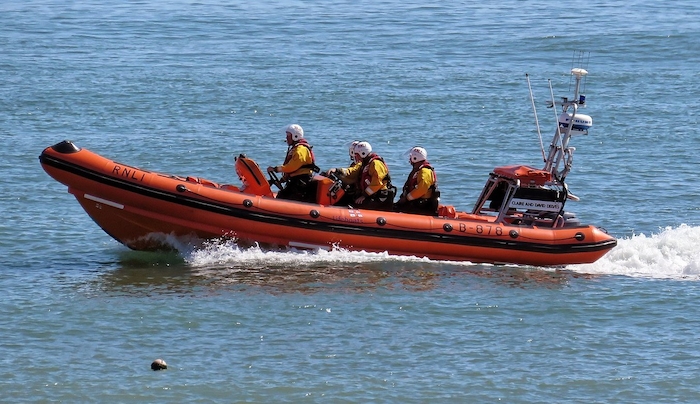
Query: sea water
(182, 87)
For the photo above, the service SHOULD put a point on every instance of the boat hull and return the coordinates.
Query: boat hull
(144, 209)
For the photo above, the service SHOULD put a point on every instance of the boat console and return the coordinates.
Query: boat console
(523, 195)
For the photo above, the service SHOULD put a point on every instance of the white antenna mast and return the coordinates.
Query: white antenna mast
(537, 122)
(569, 122)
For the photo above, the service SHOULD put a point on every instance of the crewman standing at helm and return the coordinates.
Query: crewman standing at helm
(374, 187)
(298, 168)
(420, 194)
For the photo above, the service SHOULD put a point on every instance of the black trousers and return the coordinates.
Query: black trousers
(380, 200)
(419, 207)
(299, 188)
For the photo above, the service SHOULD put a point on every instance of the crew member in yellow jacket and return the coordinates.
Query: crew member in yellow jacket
(298, 167)
(374, 186)
(420, 194)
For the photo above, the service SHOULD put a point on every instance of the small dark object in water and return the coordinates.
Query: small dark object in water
(159, 364)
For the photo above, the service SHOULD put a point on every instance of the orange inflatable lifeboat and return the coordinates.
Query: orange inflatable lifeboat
(518, 218)
(139, 208)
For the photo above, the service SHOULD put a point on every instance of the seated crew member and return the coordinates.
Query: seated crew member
(420, 194)
(349, 176)
(298, 168)
(374, 187)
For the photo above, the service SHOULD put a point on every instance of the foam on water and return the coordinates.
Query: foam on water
(229, 253)
(673, 253)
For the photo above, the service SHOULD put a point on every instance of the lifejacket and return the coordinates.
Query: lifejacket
(302, 142)
(366, 178)
(412, 181)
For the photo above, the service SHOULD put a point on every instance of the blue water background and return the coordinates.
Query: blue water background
(182, 87)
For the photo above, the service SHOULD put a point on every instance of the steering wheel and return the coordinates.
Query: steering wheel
(332, 175)
(274, 179)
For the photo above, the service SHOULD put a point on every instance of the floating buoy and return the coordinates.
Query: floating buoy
(159, 364)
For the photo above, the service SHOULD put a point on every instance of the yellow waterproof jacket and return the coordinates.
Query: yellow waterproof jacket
(299, 161)
(421, 182)
(374, 177)
(351, 175)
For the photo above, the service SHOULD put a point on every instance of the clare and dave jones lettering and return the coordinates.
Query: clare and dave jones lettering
(128, 172)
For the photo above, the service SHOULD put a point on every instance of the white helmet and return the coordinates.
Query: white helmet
(417, 154)
(351, 150)
(363, 149)
(295, 131)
